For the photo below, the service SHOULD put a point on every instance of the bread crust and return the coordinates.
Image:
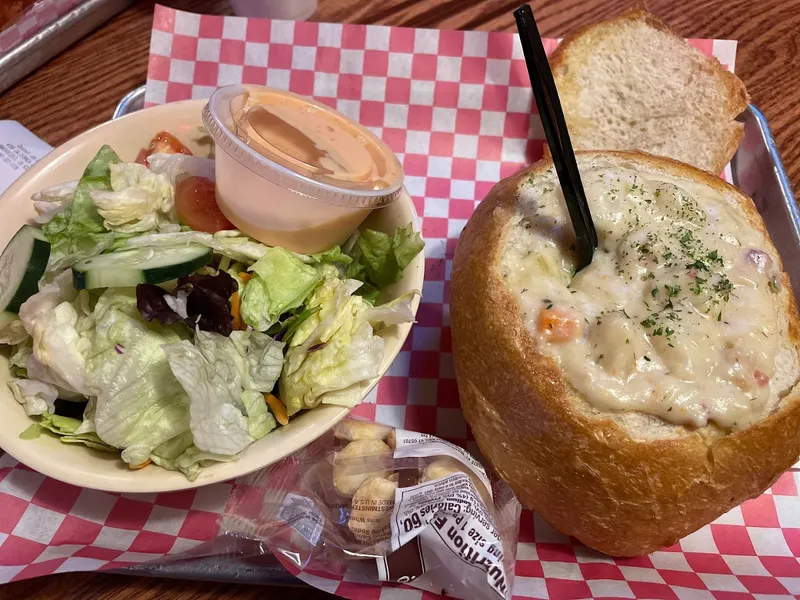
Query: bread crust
(736, 97)
(584, 474)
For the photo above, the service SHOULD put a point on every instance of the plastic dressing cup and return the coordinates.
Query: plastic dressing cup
(295, 173)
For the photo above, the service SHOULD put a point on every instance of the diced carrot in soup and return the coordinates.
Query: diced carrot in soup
(559, 325)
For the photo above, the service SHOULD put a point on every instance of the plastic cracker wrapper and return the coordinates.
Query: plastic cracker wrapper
(385, 505)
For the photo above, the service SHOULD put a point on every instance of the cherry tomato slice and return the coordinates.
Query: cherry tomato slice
(162, 143)
(166, 143)
(141, 158)
(196, 203)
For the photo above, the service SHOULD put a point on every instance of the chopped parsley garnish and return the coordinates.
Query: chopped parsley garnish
(724, 287)
(697, 288)
(699, 265)
(714, 258)
(683, 253)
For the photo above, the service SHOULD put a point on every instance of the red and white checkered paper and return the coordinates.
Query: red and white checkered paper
(32, 21)
(456, 107)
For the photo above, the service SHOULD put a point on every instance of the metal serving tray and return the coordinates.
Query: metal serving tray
(54, 38)
(758, 171)
(756, 168)
(229, 558)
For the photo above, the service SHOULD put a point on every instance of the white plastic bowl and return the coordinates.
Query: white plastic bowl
(81, 466)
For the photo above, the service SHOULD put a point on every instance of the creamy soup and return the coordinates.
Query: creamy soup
(675, 317)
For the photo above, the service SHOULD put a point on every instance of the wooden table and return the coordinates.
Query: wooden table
(80, 88)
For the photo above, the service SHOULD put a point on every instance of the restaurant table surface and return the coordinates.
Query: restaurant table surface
(80, 88)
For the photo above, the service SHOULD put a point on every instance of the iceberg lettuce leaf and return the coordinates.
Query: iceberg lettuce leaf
(232, 244)
(394, 312)
(225, 378)
(140, 404)
(36, 397)
(332, 350)
(60, 340)
(79, 229)
(180, 454)
(139, 200)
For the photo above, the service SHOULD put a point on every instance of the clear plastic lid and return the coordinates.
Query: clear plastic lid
(304, 146)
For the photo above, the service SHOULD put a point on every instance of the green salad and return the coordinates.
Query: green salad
(142, 323)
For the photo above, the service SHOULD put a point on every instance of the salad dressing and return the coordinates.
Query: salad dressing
(313, 142)
(293, 172)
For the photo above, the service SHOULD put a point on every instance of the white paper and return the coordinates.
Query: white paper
(19, 150)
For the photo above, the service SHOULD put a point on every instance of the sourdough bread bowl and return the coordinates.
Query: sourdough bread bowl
(640, 399)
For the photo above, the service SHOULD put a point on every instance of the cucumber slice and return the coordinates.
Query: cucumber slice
(128, 268)
(22, 265)
(7, 317)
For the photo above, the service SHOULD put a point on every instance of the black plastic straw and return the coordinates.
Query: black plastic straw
(555, 129)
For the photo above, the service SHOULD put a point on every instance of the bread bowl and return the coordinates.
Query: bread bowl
(627, 453)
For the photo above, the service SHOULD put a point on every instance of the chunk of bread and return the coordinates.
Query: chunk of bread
(630, 83)
(623, 482)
